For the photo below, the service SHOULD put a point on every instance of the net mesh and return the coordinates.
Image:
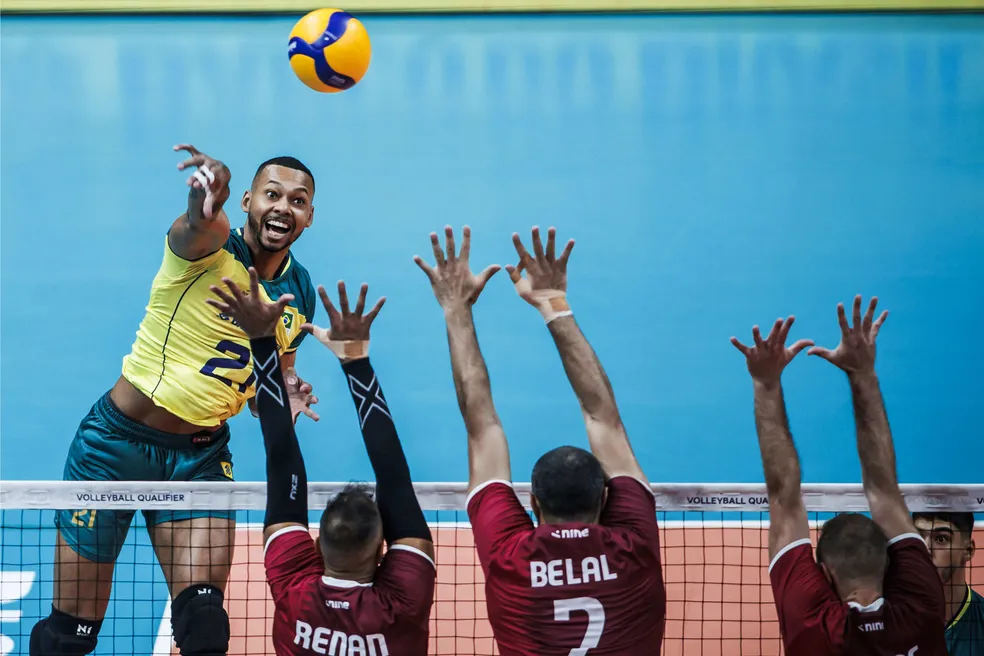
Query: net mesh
(714, 554)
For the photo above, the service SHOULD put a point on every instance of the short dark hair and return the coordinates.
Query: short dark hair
(350, 522)
(962, 521)
(288, 163)
(853, 548)
(568, 484)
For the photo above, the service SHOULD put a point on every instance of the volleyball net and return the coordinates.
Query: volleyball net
(714, 553)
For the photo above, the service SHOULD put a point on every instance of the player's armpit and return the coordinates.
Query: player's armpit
(193, 240)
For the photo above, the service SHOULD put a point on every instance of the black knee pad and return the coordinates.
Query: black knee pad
(61, 634)
(199, 622)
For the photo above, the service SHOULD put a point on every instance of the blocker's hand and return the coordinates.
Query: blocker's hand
(856, 351)
(768, 358)
(453, 282)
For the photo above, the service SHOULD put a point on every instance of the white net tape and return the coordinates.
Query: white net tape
(708, 497)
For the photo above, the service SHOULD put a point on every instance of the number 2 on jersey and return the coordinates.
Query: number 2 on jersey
(242, 360)
(596, 620)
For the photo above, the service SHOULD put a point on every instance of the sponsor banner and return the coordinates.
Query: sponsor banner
(220, 495)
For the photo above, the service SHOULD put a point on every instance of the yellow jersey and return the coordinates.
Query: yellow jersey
(193, 360)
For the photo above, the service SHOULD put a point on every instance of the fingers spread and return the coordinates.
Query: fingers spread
(449, 243)
(551, 244)
(566, 254)
(465, 244)
(875, 327)
(842, 319)
(741, 347)
(360, 303)
(438, 253)
(537, 244)
(799, 346)
(424, 267)
(524, 257)
(369, 318)
(343, 302)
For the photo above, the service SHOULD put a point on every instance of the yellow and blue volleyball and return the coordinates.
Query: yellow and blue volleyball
(329, 50)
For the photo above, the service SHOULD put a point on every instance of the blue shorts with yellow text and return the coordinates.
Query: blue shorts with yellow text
(109, 446)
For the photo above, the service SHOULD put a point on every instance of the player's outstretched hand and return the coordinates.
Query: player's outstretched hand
(856, 351)
(767, 358)
(211, 177)
(451, 278)
(301, 396)
(347, 335)
(255, 316)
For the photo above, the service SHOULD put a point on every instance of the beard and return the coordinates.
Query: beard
(255, 222)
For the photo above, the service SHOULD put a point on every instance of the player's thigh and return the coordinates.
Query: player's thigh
(82, 586)
(195, 550)
(196, 546)
(89, 540)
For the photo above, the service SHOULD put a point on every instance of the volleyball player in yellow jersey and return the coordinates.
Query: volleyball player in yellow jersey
(189, 370)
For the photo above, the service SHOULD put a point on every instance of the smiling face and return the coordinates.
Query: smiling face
(278, 207)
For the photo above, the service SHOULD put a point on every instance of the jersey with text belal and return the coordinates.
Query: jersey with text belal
(193, 360)
(560, 589)
(906, 621)
(316, 614)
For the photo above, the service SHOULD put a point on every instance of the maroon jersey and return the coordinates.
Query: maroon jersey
(316, 614)
(571, 589)
(906, 621)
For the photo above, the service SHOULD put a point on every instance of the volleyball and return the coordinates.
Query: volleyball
(329, 50)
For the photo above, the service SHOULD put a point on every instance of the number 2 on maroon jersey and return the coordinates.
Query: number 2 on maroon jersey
(596, 620)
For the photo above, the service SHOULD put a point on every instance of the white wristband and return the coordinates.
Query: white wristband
(552, 304)
(344, 349)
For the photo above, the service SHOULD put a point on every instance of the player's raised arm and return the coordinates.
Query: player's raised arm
(766, 361)
(545, 288)
(204, 227)
(855, 355)
(348, 338)
(286, 476)
(457, 289)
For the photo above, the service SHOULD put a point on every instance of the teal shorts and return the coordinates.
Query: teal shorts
(109, 446)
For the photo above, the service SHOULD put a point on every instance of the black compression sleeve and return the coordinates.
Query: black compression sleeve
(286, 478)
(395, 496)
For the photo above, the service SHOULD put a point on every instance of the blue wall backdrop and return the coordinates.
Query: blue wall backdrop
(717, 171)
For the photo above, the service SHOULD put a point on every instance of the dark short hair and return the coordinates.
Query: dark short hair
(853, 548)
(350, 522)
(288, 163)
(962, 521)
(568, 483)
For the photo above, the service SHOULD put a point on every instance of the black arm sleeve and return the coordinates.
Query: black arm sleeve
(395, 496)
(286, 478)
